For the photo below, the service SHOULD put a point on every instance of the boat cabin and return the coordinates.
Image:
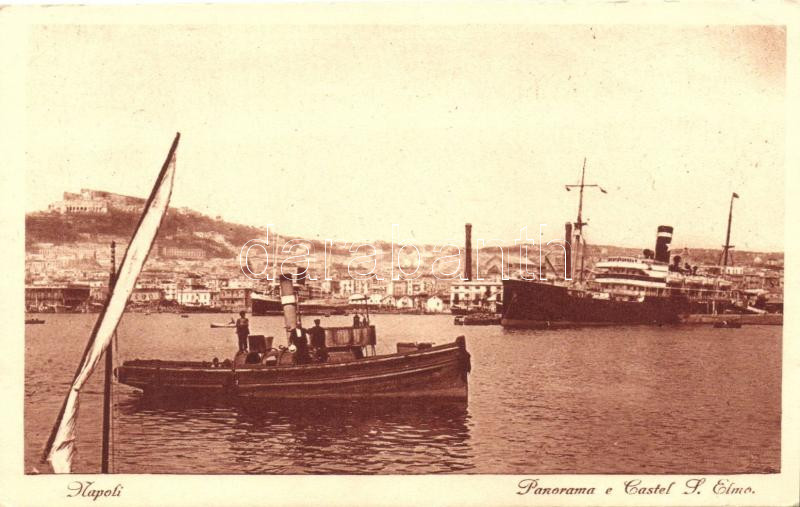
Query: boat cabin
(342, 344)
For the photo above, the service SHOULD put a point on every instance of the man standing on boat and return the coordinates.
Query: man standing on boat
(300, 340)
(242, 331)
(317, 334)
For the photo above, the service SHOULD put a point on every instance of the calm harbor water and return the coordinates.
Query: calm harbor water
(615, 400)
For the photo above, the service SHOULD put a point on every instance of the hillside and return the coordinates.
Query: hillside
(186, 230)
(222, 240)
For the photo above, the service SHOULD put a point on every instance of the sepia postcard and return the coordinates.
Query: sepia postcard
(400, 254)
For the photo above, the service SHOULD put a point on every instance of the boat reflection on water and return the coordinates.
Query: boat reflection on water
(300, 438)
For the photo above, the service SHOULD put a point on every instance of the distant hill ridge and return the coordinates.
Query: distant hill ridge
(189, 229)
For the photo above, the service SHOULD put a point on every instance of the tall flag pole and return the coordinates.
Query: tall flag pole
(60, 448)
(104, 463)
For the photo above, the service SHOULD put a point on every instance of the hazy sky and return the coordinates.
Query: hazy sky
(341, 131)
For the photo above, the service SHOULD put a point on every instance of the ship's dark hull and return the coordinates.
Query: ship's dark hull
(323, 309)
(262, 307)
(266, 307)
(540, 305)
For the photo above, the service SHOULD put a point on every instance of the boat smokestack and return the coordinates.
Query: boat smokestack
(663, 239)
(288, 302)
(568, 249)
(468, 252)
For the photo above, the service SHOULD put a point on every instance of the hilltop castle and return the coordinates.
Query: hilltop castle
(96, 202)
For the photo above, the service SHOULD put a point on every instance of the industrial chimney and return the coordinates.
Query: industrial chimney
(468, 250)
(663, 239)
(568, 249)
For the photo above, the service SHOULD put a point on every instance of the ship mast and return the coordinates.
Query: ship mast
(727, 246)
(580, 223)
(109, 366)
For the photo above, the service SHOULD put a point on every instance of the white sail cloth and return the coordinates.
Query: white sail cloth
(61, 447)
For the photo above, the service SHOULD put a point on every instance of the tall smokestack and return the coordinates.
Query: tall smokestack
(663, 239)
(468, 250)
(568, 249)
(288, 302)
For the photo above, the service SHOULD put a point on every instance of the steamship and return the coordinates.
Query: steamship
(624, 290)
(262, 304)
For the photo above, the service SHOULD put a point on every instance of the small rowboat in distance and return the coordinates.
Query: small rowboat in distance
(728, 324)
(34, 321)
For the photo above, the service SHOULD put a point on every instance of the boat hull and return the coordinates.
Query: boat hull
(436, 372)
(728, 325)
(262, 306)
(532, 304)
(469, 320)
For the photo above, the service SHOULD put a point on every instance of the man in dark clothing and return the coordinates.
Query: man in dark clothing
(356, 321)
(300, 341)
(317, 334)
(242, 330)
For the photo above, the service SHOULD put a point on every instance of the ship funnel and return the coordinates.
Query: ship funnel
(468, 252)
(663, 239)
(288, 302)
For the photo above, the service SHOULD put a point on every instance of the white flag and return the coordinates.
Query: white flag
(61, 445)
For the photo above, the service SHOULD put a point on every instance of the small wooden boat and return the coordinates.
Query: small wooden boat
(728, 324)
(477, 319)
(415, 371)
(34, 321)
(459, 310)
(215, 325)
(184, 316)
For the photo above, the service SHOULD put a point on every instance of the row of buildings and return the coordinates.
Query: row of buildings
(236, 295)
(216, 290)
(88, 297)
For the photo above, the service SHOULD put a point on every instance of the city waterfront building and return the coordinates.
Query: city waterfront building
(434, 304)
(57, 297)
(146, 296)
(194, 297)
(235, 299)
(475, 293)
